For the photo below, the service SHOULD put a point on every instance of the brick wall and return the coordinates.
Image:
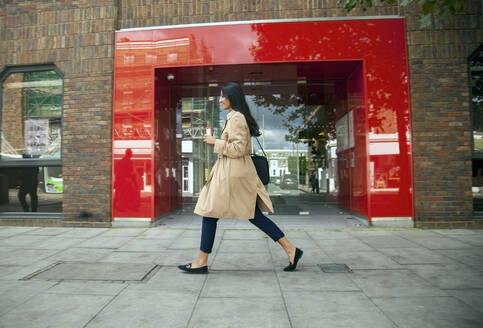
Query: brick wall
(78, 37)
(438, 69)
(140, 13)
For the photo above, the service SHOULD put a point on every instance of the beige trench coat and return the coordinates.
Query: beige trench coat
(233, 186)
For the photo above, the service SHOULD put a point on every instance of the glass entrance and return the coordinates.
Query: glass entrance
(297, 114)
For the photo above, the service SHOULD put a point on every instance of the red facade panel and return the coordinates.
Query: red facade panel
(381, 180)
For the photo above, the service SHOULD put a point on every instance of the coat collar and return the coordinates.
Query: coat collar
(231, 114)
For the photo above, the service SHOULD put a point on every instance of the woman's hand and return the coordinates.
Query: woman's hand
(210, 140)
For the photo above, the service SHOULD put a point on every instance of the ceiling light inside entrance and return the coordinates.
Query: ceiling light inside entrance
(257, 83)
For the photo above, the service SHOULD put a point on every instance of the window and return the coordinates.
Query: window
(31, 139)
(476, 102)
(476, 94)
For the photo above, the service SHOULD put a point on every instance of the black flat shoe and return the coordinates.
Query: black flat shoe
(292, 266)
(187, 268)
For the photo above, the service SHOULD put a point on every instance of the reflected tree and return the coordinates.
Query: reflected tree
(427, 8)
(310, 124)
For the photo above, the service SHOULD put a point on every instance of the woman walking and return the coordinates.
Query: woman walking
(233, 188)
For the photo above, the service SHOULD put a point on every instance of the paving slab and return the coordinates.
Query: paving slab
(12, 231)
(142, 308)
(194, 233)
(430, 312)
(471, 297)
(6, 270)
(378, 242)
(23, 257)
(357, 260)
(27, 270)
(130, 257)
(190, 243)
(87, 288)
(313, 279)
(343, 245)
(334, 309)
(415, 233)
(105, 242)
(74, 254)
(51, 231)
(471, 257)
(235, 246)
(368, 233)
(22, 240)
(241, 284)
(440, 243)
(311, 257)
(15, 293)
(84, 232)
(393, 283)
(246, 312)
(175, 257)
(55, 310)
(449, 276)
(329, 235)
(473, 240)
(416, 255)
(146, 245)
(159, 233)
(302, 243)
(450, 232)
(95, 271)
(241, 261)
(124, 232)
(170, 278)
(54, 242)
(243, 234)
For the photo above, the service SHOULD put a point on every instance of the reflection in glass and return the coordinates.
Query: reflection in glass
(476, 69)
(31, 189)
(31, 128)
(31, 115)
(476, 94)
(127, 184)
(197, 159)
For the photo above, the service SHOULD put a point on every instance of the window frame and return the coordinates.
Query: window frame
(26, 162)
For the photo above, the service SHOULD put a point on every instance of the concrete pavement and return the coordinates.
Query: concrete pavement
(127, 277)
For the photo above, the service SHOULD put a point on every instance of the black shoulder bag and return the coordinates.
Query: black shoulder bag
(261, 164)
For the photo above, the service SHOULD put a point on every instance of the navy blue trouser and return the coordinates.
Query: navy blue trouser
(208, 229)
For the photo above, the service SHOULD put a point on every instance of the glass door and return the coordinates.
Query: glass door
(298, 136)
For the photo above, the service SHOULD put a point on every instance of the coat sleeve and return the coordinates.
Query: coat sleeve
(236, 144)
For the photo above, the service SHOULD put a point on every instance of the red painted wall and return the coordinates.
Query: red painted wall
(355, 103)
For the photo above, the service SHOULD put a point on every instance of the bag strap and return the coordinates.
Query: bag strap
(263, 151)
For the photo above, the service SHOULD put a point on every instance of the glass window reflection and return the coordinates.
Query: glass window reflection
(31, 132)
(31, 115)
(476, 95)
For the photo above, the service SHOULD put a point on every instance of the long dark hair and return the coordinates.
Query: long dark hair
(235, 95)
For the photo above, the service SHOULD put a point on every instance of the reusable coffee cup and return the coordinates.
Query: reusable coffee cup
(209, 130)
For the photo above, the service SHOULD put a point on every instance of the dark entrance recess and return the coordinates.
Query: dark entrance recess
(297, 106)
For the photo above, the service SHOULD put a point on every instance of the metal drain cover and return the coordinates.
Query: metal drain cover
(335, 268)
(94, 271)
